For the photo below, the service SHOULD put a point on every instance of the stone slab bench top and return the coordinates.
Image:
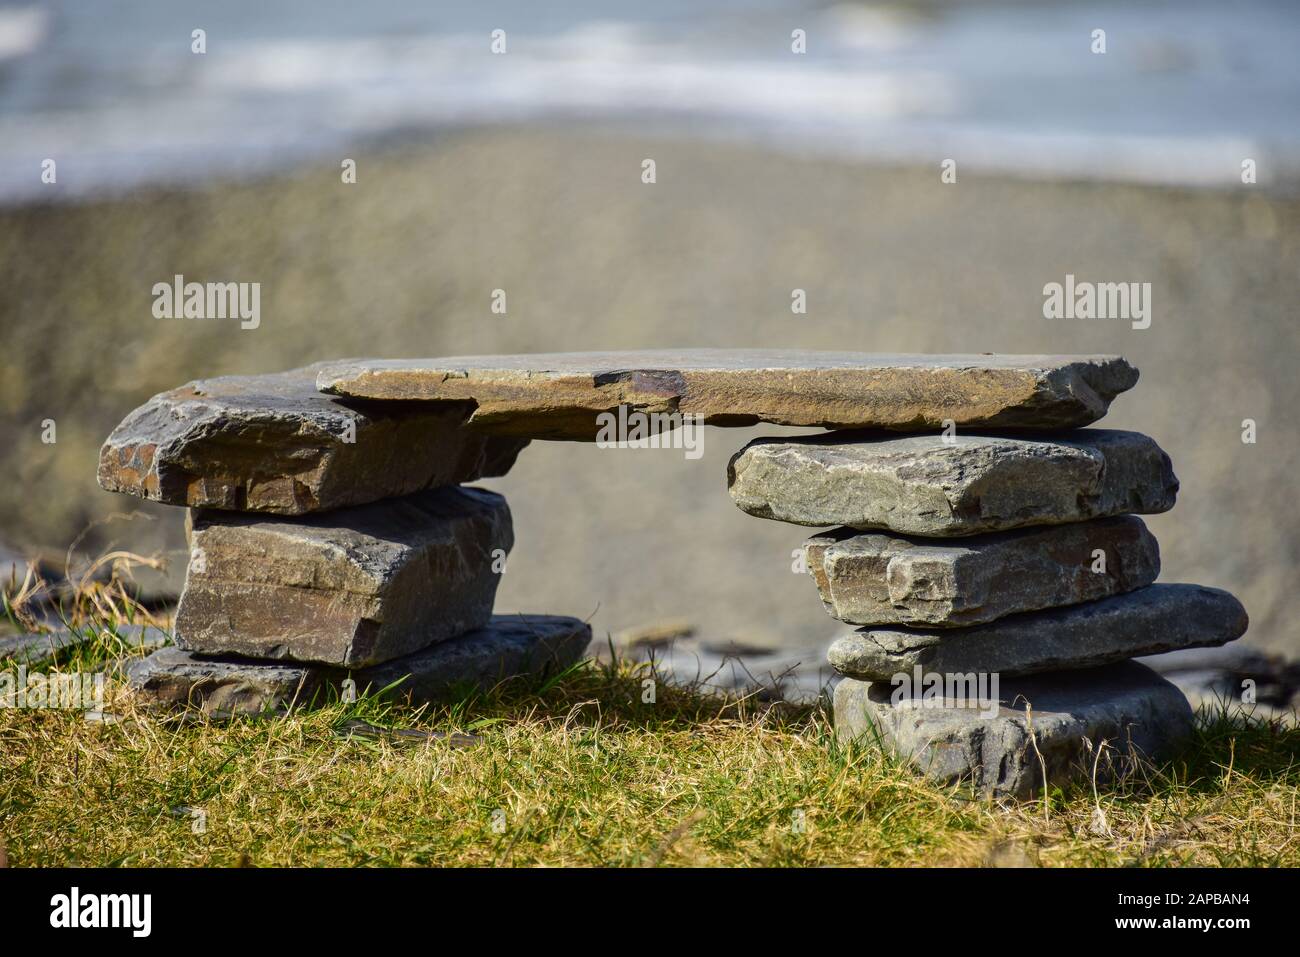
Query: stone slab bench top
(559, 395)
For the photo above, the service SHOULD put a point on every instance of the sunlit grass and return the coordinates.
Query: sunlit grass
(584, 771)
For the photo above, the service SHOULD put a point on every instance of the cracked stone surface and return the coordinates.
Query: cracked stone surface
(970, 484)
(1149, 621)
(1033, 728)
(507, 647)
(879, 579)
(273, 443)
(172, 677)
(353, 587)
(559, 395)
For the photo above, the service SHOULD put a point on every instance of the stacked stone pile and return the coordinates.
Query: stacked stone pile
(978, 530)
(973, 558)
(958, 553)
(328, 543)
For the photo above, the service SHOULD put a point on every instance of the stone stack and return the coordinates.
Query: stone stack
(331, 544)
(1001, 582)
(980, 531)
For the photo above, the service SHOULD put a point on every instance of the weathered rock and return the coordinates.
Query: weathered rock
(354, 587)
(924, 485)
(510, 646)
(174, 678)
(1036, 732)
(876, 579)
(559, 395)
(1148, 621)
(273, 443)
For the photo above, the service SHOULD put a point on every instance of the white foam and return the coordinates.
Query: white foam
(22, 30)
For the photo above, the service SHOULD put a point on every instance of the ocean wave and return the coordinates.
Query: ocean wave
(22, 30)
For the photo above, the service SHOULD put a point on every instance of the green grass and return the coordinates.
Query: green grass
(583, 772)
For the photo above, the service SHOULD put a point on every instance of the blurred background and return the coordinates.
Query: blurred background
(775, 171)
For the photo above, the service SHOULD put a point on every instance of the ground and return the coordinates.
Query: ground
(584, 770)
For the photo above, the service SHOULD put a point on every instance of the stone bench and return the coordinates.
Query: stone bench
(980, 531)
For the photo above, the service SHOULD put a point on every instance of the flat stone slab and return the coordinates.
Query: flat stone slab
(508, 647)
(1032, 729)
(559, 395)
(354, 587)
(511, 646)
(967, 485)
(1148, 621)
(273, 443)
(878, 579)
(172, 677)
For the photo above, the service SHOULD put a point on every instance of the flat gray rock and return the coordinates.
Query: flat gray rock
(1148, 621)
(970, 484)
(511, 646)
(878, 579)
(273, 443)
(1032, 729)
(175, 678)
(508, 647)
(559, 395)
(354, 587)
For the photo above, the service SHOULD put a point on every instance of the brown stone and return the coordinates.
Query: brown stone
(559, 395)
(354, 587)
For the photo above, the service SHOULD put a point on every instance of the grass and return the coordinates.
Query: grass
(580, 770)
(584, 772)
